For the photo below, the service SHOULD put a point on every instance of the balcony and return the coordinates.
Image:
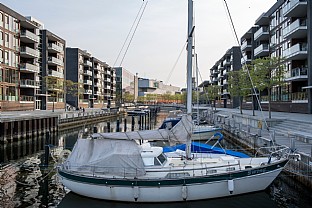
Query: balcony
(28, 52)
(54, 48)
(25, 67)
(262, 34)
(97, 68)
(28, 83)
(97, 76)
(227, 62)
(246, 45)
(87, 82)
(88, 92)
(262, 50)
(87, 63)
(29, 37)
(246, 59)
(55, 61)
(297, 52)
(87, 72)
(54, 73)
(298, 74)
(297, 29)
(296, 8)
(25, 98)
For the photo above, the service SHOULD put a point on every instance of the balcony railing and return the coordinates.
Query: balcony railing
(25, 98)
(299, 96)
(53, 60)
(87, 72)
(29, 83)
(260, 32)
(29, 52)
(261, 49)
(294, 7)
(245, 44)
(296, 50)
(29, 67)
(88, 82)
(52, 46)
(296, 29)
(298, 73)
(55, 73)
(29, 35)
(88, 91)
(87, 63)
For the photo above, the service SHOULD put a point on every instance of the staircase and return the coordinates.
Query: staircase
(302, 131)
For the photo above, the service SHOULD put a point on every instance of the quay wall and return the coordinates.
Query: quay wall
(250, 133)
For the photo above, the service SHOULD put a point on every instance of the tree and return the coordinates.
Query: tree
(266, 73)
(54, 86)
(58, 87)
(213, 92)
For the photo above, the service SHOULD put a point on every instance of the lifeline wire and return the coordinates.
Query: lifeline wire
(253, 88)
(128, 34)
(133, 33)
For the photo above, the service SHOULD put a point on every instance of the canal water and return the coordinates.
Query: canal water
(25, 181)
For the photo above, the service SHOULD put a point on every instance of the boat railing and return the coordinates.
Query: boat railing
(281, 151)
(119, 173)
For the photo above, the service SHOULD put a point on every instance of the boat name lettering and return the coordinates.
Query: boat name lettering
(253, 172)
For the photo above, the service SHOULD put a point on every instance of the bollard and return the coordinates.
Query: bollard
(132, 123)
(229, 124)
(273, 135)
(117, 125)
(108, 127)
(292, 144)
(125, 125)
(139, 122)
(47, 149)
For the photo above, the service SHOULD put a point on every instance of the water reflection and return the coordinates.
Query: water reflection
(25, 183)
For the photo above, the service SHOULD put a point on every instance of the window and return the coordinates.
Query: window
(6, 19)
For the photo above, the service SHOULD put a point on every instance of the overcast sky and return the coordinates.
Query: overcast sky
(101, 27)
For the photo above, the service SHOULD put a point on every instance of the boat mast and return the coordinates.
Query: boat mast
(189, 70)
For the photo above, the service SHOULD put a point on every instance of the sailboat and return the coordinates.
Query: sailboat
(199, 132)
(118, 166)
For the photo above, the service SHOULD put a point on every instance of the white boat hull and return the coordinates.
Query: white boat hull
(255, 181)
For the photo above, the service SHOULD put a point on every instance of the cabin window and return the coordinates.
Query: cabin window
(159, 160)
(177, 175)
(211, 172)
(230, 169)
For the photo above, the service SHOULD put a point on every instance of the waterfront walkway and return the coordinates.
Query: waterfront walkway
(19, 115)
(290, 129)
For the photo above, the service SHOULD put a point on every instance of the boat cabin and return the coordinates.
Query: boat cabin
(152, 156)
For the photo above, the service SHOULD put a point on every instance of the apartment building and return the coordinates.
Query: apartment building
(51, 96)
(283, 31)
(19, 55)
(126, 83)
(230, 61)
(96, 79)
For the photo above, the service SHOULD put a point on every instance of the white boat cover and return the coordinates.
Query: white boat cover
(118, 153)
(105, 156)
(178, 134)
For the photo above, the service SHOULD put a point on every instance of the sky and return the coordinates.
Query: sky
(101, 27)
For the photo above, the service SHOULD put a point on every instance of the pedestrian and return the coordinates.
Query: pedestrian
(83, 110)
